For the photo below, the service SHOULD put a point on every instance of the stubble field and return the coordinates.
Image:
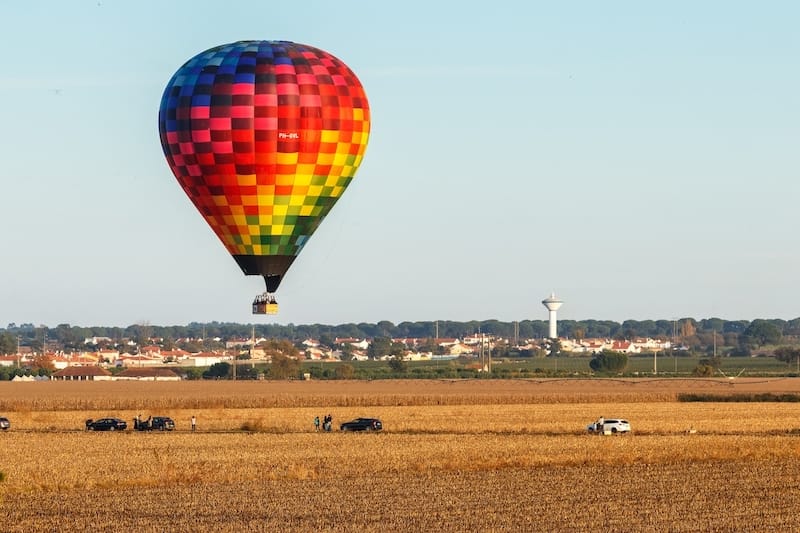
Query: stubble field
(455, 456)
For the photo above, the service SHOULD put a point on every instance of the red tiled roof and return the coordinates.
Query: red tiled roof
(71, 371)
(205, 354)
(167, 353)
(147, 373)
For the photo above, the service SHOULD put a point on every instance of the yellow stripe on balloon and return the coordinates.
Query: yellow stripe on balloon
(286, 158)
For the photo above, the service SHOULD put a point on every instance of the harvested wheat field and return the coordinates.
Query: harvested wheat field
(481, 455)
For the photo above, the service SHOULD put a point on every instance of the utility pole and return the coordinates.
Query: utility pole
(714, 333)
(489, 347)
(480, 351)
(674, 352)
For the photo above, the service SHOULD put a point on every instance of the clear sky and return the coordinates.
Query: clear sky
(640, 159)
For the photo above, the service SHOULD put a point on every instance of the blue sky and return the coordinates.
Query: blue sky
(639, 160)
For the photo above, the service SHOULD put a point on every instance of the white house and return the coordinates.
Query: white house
(203, 359)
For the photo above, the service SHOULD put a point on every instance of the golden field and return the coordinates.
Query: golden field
(455, 456)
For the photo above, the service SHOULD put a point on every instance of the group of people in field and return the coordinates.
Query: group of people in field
(140, 423)
(327, 423)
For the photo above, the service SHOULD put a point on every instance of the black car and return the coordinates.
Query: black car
(362, 424)
(106, 424)
(162, 423)
(156, 423)
(4, 423)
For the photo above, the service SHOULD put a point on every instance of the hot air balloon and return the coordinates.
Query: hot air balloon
(264, 137)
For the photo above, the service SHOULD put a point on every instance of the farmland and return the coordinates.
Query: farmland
(455, 456)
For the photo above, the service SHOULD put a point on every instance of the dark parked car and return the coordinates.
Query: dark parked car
(4, 423)
(106, 424)
(156, 423)
(362, 424)
(162, 423)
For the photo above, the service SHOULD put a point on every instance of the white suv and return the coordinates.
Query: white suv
(613, 425)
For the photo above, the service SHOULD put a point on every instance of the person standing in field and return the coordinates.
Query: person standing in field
(194, 423)
(316, 423)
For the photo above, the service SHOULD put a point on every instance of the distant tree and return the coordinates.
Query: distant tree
(599, 329)
(792, 327)
(283, 367)
(246, 372)
(346, 352)
(279, 347)
(327, 340)
(554, 347)
(609, 361)
(761, 332)
(741, 350)
(8, 373)
(192, 346)
(142, 333)
(397, 364)
(715, 324)
(787, 354)
(194, 373)
(703, 370)
(218, 370)
(688, 327)
(379, 347)
(428, 345)
(213, 345)
(8, 343)
(42, 365)
(714, 362)
(729, 339)
(397, 349)
(344, 371)
(385, 328)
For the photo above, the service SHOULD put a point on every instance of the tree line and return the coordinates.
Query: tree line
(738, 336)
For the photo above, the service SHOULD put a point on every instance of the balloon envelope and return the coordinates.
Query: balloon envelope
(264, 137)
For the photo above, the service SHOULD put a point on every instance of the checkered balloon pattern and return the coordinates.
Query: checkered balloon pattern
(264, 137)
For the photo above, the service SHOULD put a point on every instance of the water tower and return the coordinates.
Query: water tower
(553, 304)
